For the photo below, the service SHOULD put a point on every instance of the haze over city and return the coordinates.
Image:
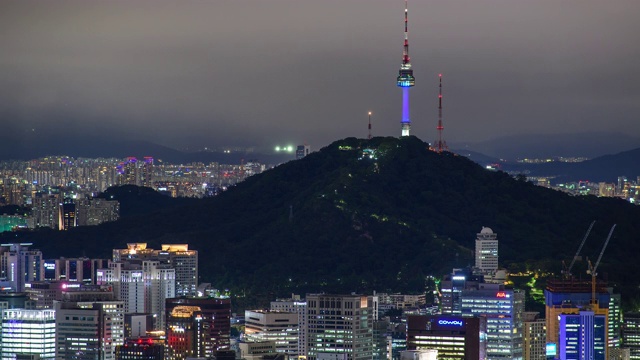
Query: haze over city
(257, 73)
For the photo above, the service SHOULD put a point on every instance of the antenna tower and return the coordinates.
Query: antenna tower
(369, 126)
(441, 145)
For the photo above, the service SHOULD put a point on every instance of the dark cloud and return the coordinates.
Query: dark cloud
(266, 72)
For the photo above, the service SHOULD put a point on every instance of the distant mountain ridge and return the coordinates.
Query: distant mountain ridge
(588, 144)
(361, 215)
(33, 146)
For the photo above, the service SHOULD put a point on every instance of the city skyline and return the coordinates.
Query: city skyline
(252, 73)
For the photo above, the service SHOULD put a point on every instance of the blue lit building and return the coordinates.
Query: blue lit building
(583, 336)
(503, 308)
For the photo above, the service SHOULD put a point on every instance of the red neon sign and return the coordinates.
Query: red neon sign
(501, 295)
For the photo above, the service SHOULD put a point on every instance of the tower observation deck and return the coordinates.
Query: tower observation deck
(405, 77)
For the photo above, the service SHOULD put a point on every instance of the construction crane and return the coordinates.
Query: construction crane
(592, 268)
(567, 270)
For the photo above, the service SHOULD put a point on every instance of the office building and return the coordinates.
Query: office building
(279, 327)
(503, 308)
(427, 354)
(631, 334)
(177, 256)
(298, 306)
(141, 348)
(570, 296)
(534, 337)
(583, 336)
(28, 332)
(142, 287)
(451, 288)
(339, 325)
(88, 330)
(138, 325)
(487, 251)
(614, 319)
(21, 265)
(73, 269)
(197, 327)
(454, 337)
(257, 350)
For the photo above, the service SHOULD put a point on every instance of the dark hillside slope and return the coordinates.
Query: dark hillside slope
(338, 221)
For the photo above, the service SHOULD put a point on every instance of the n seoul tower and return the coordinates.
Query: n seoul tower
(405, 77)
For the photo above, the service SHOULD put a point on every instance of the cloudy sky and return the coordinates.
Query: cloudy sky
(266, 72)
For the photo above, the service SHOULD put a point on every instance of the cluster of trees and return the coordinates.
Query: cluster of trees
(338, 221)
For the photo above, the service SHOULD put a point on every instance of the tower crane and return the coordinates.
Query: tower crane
(567, 270)
(592, 268)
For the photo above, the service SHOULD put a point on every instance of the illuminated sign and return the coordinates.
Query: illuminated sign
(551, 349)
(458, 277)
(450, 322)
(502, 294)
(50, 266)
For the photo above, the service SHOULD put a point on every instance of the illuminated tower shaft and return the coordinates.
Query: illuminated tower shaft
(405, 77)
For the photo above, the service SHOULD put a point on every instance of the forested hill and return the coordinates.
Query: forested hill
(369, 214)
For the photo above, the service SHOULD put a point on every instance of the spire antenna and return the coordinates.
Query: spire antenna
(369, 125)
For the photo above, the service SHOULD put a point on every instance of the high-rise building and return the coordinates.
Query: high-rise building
(88, 330)
(28, 332)
(503, 308)
(95, 211)
(197, 327)
(454, 337)
(67, 215)
(570, 296)
(583, 336)
(277, 326)
(631, 334)
(21, 265)
(142, 287)
(146, 175)
(614, 319)
(339, 325)
(45, 210)
(128, 172)
(177, 256)
(534, 337)
(451, 288)
(298, 306)
(137, 325)
(487, 251)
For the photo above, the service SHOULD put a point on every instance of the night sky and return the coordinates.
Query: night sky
(262, 73)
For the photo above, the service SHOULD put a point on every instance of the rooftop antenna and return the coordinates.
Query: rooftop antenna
(369, 125)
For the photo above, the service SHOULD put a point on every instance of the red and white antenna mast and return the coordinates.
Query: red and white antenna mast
(441, 145)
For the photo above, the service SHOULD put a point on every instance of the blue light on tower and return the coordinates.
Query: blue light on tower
(405, 78)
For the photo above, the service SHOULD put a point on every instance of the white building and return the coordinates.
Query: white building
(177, 256)
(487, 251)
(28, 332)
(277, 326)
(143, 289)
(298, 306)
